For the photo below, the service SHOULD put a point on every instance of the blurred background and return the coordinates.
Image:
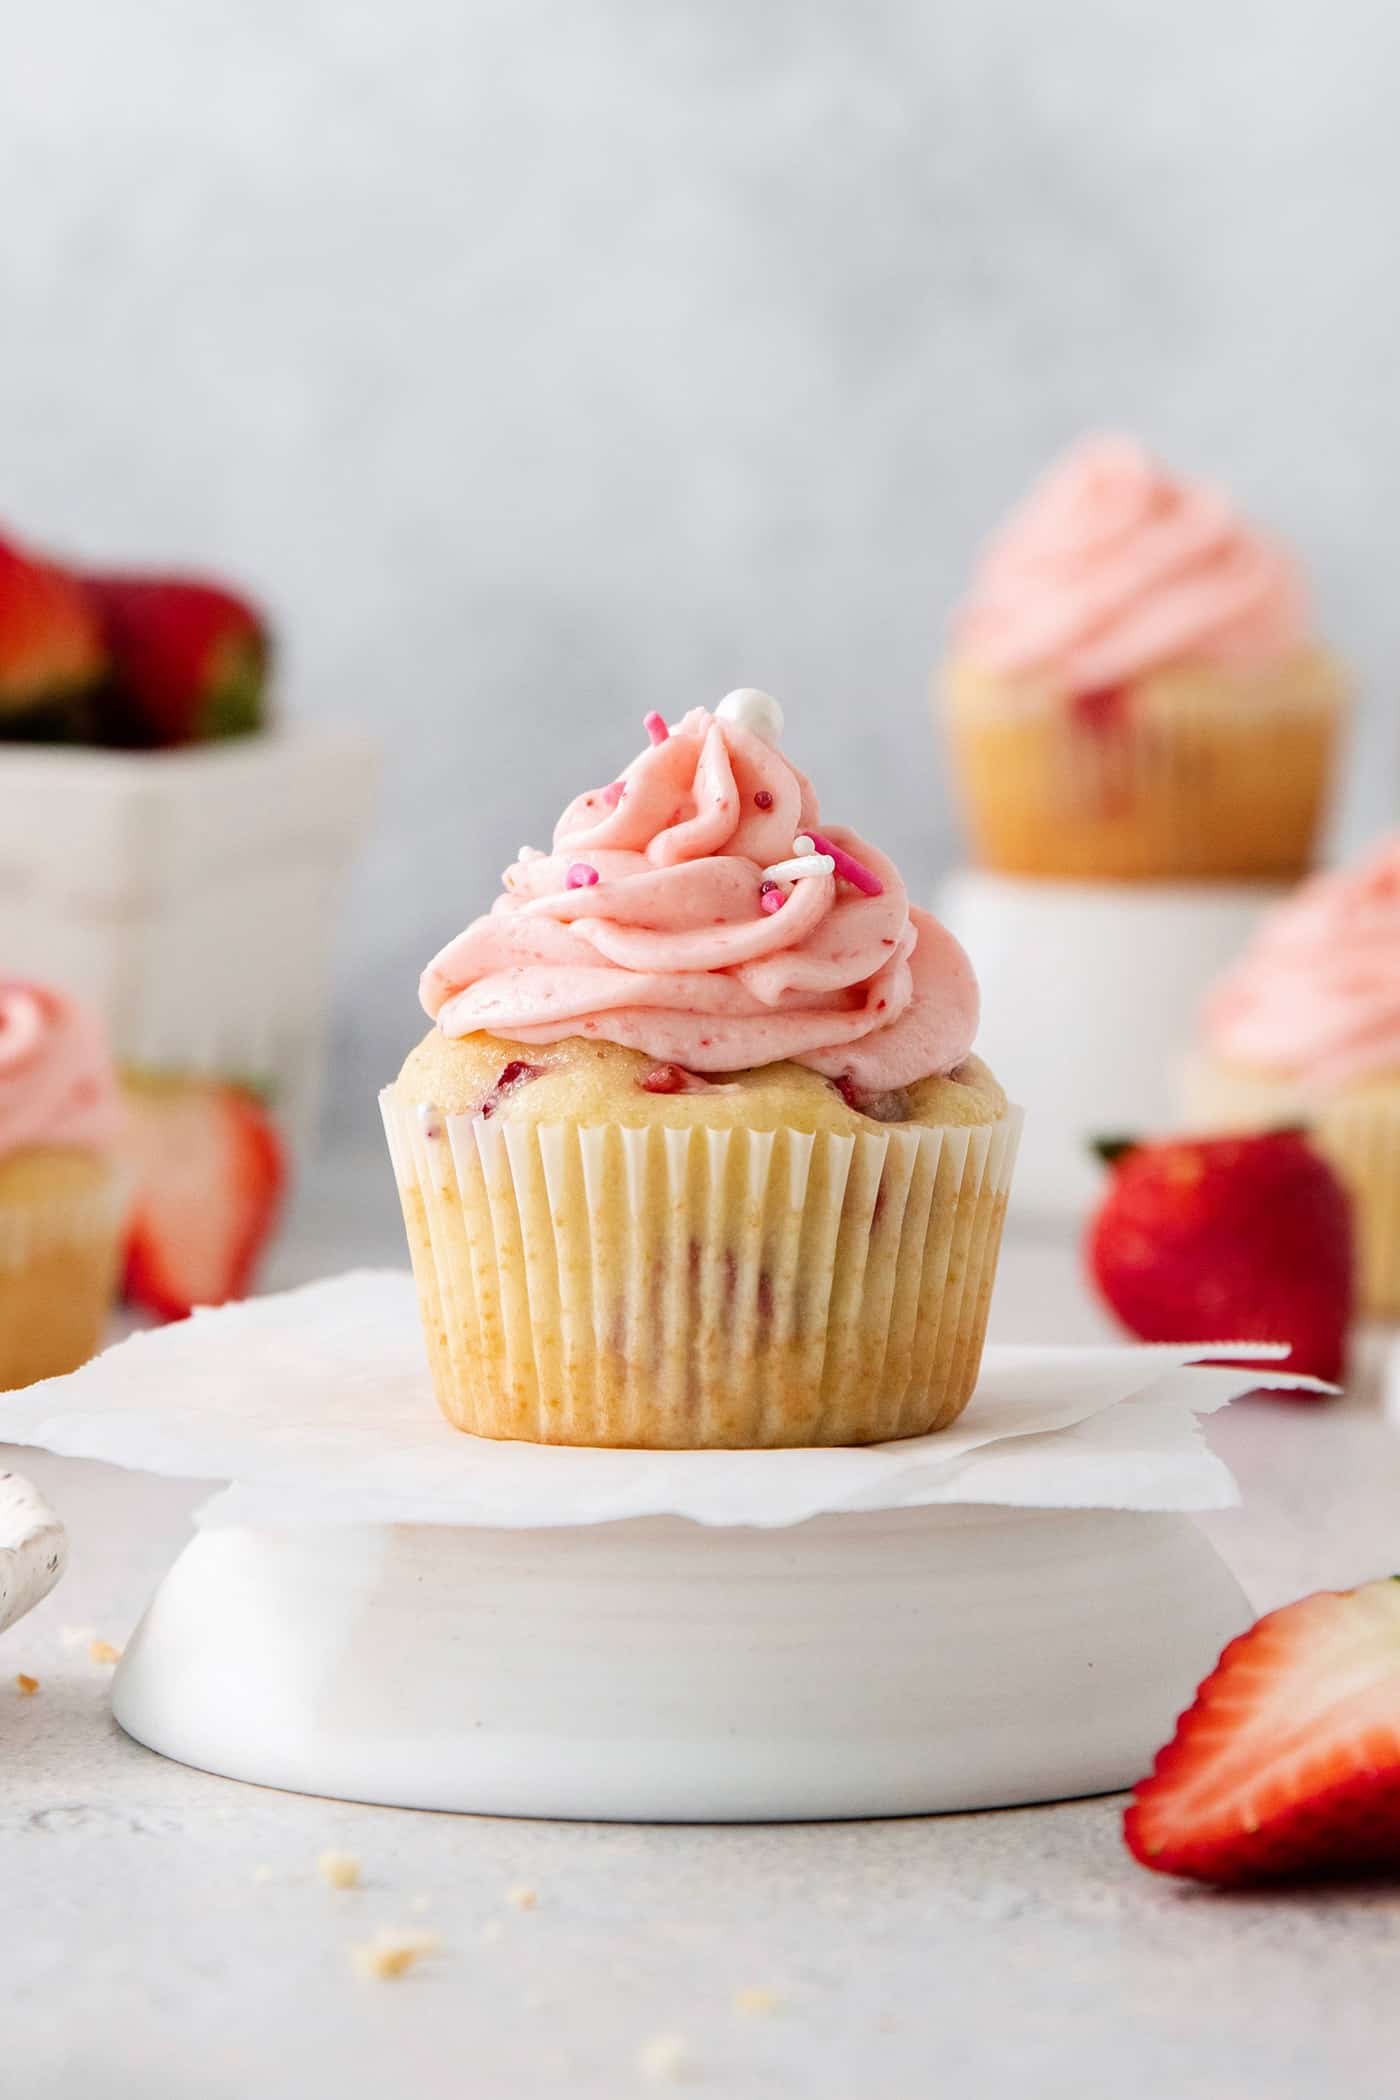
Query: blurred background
(539, 363)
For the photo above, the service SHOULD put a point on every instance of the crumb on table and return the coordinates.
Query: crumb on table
(390, 1953)
(755, 2000)
(339, 1870)
(662, 2057)
(103, 1652)
(522, 1896)
(27, 1686)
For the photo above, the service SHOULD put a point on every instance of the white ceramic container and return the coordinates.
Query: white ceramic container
(1091, 998)
(191, 895)
(891, 1663)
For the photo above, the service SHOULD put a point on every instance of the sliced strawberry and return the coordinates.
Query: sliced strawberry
(51, 649)
(210, 1177)
(189, 660)
(1288, 1764)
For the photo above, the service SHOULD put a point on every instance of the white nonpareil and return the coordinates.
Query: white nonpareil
(750, 709)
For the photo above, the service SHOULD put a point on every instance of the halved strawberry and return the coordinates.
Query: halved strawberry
(51, 649)
(1288, 1764)
(211, 1173)
(189, 660)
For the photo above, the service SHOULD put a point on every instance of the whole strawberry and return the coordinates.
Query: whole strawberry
(1228, 1239)
(189, 660)
(51, 650)
(1288, 1764)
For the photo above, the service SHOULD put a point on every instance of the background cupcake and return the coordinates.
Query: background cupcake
(61, 1188)
(697, 1153)
(1133, 690)
(1305, 1029)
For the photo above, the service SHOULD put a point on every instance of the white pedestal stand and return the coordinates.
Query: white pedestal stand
(1091, 994)
(889, 1663)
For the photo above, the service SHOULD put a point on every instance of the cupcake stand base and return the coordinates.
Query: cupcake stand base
(1091, 998)
(891, 1663)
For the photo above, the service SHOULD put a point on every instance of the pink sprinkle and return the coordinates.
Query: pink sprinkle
(655, 727)
(859, 877)
(580, 876)
(763, 800)
(614, 794)
(771, 900)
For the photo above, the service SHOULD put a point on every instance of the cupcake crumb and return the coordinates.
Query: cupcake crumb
(662, 2057)
(420, 1904)
(339, 1870)
(264, 1873)
(490, 1931)
(390, 1954)
(25, 1685)
(522, 1897)
(755, 2001)
(103, 1652)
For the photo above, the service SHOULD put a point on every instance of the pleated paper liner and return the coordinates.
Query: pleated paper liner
(58, 1275)
(700, 1288)
(1357, 1129)
(1185, 775)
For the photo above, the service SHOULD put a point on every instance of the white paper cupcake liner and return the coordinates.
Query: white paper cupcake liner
(685, 1288)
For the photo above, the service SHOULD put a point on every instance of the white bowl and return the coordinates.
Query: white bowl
(653, 1670)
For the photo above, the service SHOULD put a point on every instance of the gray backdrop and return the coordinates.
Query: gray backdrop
(541, 361)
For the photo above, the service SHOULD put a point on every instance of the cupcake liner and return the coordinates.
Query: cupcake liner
(1357, 1129)
(1188, 780)
(678, 1288)
(58, 1275)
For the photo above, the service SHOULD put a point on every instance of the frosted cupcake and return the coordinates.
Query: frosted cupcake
(1133, 690)
(1305, 1029)
(697, 1153)
(61, 1187)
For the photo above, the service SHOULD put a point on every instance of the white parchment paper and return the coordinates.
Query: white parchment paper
(317, 1407)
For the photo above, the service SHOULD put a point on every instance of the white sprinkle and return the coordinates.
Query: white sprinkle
(750, 709)
(529, 853)
(804, 864)
(662, 2057)
(804, 845)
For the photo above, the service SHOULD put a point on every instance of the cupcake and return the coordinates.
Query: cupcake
(1305, 1030)
(62, 1193)
(1133, 690)
(697, 1153)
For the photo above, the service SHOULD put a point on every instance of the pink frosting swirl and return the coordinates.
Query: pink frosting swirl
(671, 952)
(57, 1082)
(1317, 994)
(1111, 567)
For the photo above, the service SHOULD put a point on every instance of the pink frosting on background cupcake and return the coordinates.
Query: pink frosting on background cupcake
(647, 925)
(57, 1082)
(1317, 995)
(1112, 567)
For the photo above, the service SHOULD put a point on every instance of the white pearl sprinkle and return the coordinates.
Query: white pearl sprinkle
(527, 853)
(750, 709)
(804, 864)
(804, 845)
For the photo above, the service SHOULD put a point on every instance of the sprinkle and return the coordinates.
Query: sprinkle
(27, 1686)
(802, 844)
(802, 864)
(103, 1652)
(771, 899)
(852, 871)
(614, 794)
(580, 876)
(655, 727)
(763, 800)
(750, 709)
(339, 1870)
(390, 1953)
(528, 853)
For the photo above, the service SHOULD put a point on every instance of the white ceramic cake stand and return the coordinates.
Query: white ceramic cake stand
(1091, 997)
(889, 1663)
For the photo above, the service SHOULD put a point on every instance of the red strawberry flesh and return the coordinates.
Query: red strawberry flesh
(1287, 1766)
(210, 1178)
